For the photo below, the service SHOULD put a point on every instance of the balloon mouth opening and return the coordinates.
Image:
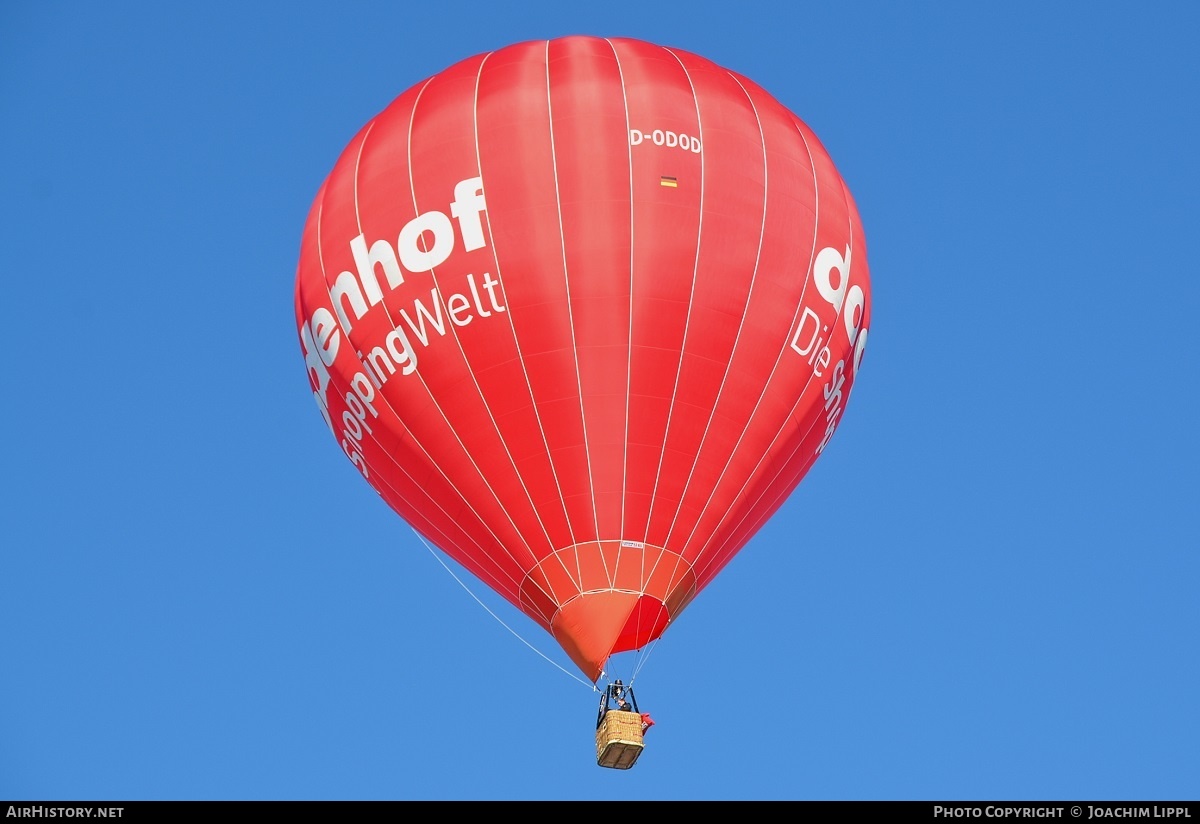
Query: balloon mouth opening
(597, 625)
(599, 598)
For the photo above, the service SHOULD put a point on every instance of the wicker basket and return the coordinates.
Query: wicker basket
(619, 739)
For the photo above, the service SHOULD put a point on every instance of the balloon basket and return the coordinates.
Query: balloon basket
(619, 739)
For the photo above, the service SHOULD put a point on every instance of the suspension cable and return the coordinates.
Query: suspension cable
(433, 552)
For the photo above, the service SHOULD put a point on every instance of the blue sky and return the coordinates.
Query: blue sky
(986, 588)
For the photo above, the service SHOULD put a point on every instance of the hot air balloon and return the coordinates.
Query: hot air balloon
(584, 312)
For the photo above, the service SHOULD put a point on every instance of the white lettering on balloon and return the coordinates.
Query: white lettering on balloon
(665, 138)
(422, 244)
(831, 276)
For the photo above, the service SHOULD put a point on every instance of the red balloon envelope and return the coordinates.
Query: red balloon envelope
(584, 312)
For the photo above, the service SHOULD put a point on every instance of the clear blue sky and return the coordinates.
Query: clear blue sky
(986, 589)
